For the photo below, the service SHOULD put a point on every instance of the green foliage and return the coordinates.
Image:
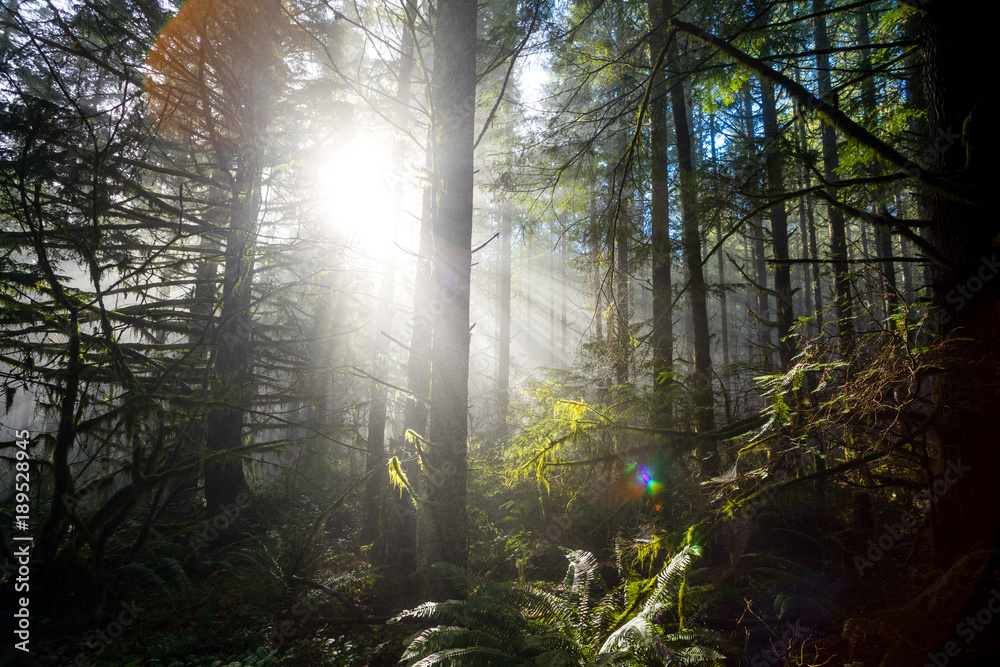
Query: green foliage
(172, 580)
(578, 623)
(264, 554)
(398, 478)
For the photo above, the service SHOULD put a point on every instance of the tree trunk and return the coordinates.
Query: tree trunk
(375, 523)
(452, 102)
(418, 371)
(831, 163)
(720, 256)
(703, 400)
(963, 143)
(623, 307)
(809, 230)
(233, 371)
(662, 334)
(807, 286)
(763, 310)
(526, 270)
(779, 225)
(375, 461)
(57, 522)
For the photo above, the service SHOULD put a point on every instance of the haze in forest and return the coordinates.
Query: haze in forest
(513, 332)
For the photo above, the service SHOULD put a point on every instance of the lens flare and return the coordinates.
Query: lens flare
(647, 482)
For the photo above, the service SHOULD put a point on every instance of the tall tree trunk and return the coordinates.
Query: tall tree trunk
(662, 334)
(779, 225)
(831, 163)
(723, 295)
(909, 292)
(185, 487)
(56, 524)
(375, 461)
(955, 36)
(703, 399)
(807, 287)
(597, 253)
(375, 522)
(233, 370)
(763, 311)
(444, 462)
(720, 256)
(419, 383)
(810, 227)
(623, 307)
(883, 241)
(806, 233)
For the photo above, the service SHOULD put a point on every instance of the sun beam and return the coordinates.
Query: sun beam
(352, 183)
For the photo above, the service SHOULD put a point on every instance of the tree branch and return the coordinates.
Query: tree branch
(826, 111)
(353, 608)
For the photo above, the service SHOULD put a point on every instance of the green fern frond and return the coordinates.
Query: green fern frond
(614, 659)
(267, 564)
(443, 637)
(147, 575)
(178, 576)
(694, 647)
(578, 583)
(468, 657)
(548, 643)
(458, 577)
(453, 611)
(671, 578)
(637, 632)
(510, 623)
(537, 605)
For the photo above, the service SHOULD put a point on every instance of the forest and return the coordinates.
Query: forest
(506, 332)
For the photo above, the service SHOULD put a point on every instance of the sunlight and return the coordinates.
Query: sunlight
(353, 193)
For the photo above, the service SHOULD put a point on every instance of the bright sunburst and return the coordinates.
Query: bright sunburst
(353, 193)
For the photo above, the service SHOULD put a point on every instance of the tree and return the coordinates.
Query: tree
(964, 231)
(444, 533)
(216, 73)
(779, 223)
(831, 163)
(375, 463)
(704, 415)
(662, 327)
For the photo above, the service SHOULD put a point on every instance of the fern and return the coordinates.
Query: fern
(263, 558)
(179, 577)
(510, 623)
(147, 575)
